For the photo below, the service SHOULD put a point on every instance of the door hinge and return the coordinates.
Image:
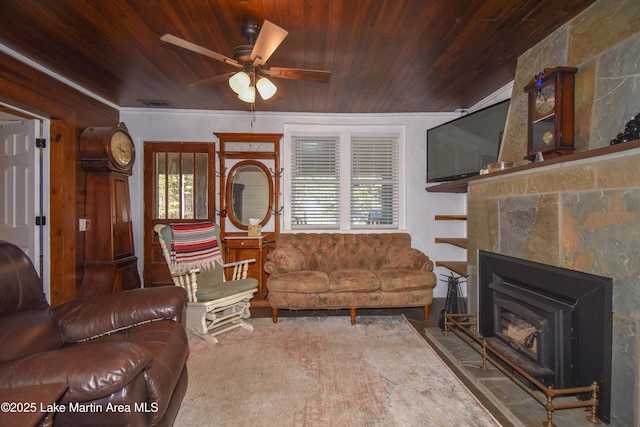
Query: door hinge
(41, 143)
(41, 220)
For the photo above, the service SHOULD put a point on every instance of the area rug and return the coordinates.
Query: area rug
(322, 371)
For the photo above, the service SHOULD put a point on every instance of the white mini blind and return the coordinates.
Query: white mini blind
(315, 182)
(374, 182)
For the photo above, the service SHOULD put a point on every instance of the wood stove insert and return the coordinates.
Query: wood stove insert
(554, 323)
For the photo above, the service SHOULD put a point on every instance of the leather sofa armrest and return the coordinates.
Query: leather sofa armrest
(91, 370)
(86, 318)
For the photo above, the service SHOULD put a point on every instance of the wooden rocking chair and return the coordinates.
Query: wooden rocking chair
(215, 304)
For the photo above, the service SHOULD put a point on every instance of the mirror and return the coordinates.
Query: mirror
(256, 152)
(249, 193)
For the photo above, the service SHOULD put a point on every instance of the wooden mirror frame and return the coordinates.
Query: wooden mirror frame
(229, 193)
(260, 148)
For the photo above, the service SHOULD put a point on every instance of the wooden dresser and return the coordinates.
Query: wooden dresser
(239, 248)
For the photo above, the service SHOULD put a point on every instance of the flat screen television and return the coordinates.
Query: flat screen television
(461, 147)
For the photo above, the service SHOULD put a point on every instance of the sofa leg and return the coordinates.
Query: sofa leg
(427, 308)
(352, 313)
(274, 314)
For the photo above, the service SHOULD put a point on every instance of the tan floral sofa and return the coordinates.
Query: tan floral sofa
(312, 271)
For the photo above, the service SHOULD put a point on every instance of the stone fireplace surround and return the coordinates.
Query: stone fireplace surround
(582, 215)
(585, 214)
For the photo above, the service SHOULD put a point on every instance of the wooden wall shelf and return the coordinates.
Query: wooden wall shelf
(460, 242)
(451, 217)
(459, 267)
(460, 186)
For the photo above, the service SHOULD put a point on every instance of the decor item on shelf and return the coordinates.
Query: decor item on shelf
(255, 229)
(499, 166)
(251, 60)
(550, 118)
(631, 131)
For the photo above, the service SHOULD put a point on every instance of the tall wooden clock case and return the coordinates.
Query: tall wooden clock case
(110, 264)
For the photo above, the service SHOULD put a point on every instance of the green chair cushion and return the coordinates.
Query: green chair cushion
(209, 291)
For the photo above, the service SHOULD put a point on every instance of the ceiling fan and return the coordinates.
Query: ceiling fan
(252, 62)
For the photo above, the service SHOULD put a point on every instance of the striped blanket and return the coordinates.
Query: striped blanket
(194, 245)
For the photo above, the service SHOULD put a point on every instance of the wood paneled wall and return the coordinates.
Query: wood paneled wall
(71, 112)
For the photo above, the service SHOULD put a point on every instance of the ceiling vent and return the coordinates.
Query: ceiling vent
(156, 103)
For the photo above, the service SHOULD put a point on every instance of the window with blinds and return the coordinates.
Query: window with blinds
(363, 194)
(315, 182)
(374, 182)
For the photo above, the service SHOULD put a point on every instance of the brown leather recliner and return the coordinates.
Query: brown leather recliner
(125, 348)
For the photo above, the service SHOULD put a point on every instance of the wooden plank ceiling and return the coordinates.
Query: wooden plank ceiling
(385, 56)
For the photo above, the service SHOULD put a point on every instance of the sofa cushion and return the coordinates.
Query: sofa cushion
(288, 259)
(305, 281)
(399, 279)
(335, 251)
(403, 257)
(352, 280)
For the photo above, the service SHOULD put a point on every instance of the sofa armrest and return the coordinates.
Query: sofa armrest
(284, 260)
(270, 268)
(427, 264)
(91, 370)
(409, 258)
(97, 315)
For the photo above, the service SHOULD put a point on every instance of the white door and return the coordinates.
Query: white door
(20, 187)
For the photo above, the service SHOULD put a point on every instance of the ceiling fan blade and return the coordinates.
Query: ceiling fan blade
(318, 76)
(269, 39)
(177, 41)
(213, 80)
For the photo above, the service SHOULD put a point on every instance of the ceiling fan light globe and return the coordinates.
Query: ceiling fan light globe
(266, 88)
(248, 95)
(239, 82)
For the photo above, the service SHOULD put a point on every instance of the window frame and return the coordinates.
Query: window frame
(344, 133)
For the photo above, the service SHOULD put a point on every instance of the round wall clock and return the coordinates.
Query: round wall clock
(550, 119)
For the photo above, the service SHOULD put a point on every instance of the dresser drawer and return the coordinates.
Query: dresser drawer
(244, 243)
